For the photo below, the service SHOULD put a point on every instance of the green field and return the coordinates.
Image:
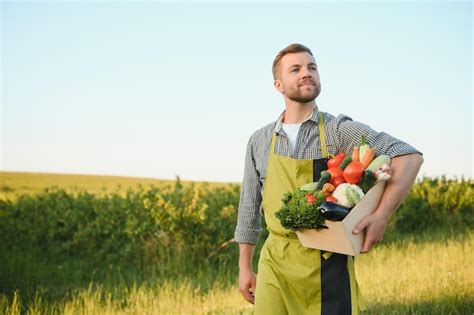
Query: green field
(111, 253)
(13, 184)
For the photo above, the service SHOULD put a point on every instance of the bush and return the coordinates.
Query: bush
(176, 227)
(436, 203)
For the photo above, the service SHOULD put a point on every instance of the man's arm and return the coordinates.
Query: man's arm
(248, 224)
(247, 278)
(404, 171)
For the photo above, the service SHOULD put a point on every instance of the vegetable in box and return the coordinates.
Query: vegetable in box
(339, 189)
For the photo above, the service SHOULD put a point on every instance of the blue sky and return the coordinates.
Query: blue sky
(158, 90)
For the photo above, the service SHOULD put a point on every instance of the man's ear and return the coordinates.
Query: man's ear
(278, 85)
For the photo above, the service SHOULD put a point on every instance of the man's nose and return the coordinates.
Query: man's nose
(306, 74)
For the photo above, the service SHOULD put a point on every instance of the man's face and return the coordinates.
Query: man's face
(298, 77)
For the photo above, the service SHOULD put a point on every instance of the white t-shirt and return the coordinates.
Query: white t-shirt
(291, 131)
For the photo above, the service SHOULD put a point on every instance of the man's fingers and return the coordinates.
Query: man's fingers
(367, 245)
(369, 241)
(253, 288)
(368, 237)
(247, 285)
(361, 225)
(249, 297)
(246, 294)
(253, 283)
(374, 228)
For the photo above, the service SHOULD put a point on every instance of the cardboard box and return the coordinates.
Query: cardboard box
(338, 238)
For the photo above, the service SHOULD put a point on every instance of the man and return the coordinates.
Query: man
(293, 279)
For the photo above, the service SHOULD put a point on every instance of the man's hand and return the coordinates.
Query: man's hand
(404, 171)
(247, 285)
(375, 225)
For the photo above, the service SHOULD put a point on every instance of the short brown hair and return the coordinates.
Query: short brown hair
(293, 48)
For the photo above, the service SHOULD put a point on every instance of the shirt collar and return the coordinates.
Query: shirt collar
(313, 116)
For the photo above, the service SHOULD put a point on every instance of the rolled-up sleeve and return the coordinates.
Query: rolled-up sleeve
(350, 132)
(248, 218)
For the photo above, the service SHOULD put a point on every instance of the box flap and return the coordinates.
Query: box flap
(333, 239)
(366, 206)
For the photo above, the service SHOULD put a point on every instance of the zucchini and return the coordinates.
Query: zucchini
(367, 181)
(325, 178)
(378, 162)
(345, 162)
(310, 187)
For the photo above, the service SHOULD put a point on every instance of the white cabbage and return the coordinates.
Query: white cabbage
(348, 195)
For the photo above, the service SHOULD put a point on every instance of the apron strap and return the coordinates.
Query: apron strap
(324, 150)
(272, 145)
(322, 135)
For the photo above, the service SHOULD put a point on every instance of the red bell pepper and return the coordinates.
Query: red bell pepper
(336, 160)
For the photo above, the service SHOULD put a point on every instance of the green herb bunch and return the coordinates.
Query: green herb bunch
(297, 213)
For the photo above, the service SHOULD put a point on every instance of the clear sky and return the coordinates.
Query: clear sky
(158, 90)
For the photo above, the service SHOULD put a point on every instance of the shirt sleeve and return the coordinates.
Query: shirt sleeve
(248, 218)
(349, 135)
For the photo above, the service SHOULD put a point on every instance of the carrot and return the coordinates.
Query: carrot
(328, 188)
(355, 154)
(368, 157)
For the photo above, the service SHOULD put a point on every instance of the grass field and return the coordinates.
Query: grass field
(411, 276)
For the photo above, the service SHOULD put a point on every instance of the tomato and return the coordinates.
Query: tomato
(353, 172)
(336, 160)
(310, 198)
(339, 181)
(331, 199)
(335, 172)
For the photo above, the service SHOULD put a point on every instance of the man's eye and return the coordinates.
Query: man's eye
(294, 70)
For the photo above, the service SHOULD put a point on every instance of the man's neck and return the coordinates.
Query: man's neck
(296, 113)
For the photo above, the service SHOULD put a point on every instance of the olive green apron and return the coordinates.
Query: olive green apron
(293, 279)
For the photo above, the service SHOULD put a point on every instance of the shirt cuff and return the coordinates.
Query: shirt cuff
(404, 151)
(247, 236)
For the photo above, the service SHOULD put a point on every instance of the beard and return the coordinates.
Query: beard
(304, 97)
